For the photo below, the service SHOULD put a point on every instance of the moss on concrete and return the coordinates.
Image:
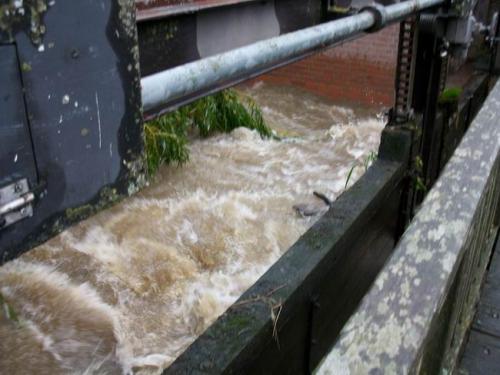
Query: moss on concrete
(26, 15)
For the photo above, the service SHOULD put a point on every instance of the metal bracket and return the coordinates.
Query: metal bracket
(379, 14)
(15, 202)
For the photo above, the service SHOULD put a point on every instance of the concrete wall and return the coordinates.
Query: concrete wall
(361, 71)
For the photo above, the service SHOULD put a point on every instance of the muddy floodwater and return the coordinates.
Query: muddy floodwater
(129, 289)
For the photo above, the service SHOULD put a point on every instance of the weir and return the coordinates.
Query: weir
(387, 280)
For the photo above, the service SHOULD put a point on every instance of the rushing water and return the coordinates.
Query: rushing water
(130, 288)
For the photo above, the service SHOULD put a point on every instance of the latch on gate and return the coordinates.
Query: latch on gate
(15, 202)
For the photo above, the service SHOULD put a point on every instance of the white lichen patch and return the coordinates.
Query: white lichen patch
(387, 332)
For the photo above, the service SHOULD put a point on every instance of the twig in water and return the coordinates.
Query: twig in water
(323, 197)
(275, 306)
(274, 318)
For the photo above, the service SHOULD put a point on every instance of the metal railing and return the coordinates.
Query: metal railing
(415, 317)
(169, 86)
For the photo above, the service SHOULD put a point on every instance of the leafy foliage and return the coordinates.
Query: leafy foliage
(166, 140)
(418, 170)
(450, 95)
(166, 137)
(367, 161)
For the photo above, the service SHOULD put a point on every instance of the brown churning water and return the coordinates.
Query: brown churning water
(127, 290)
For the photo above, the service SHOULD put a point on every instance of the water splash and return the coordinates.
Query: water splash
(130, 288)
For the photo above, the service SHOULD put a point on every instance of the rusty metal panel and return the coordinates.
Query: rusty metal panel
(81, 82)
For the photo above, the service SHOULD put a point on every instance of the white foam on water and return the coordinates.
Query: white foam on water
(70, 321)
(173, 258)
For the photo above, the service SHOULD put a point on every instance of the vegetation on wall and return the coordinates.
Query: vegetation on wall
(8, 310)
(367, 161)
(166, 138)
(450, 95)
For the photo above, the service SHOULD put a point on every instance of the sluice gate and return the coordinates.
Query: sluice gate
(368, 272)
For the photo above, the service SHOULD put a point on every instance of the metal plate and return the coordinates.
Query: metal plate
(16, 153)
(10, 193)
(81, 85)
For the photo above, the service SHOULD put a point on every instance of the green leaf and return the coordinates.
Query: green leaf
(8, 310)
(349, 175)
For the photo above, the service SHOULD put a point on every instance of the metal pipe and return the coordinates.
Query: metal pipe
(399, 11)
(170, 85)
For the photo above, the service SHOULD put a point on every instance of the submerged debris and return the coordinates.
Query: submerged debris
(323, 197)
(309, 209)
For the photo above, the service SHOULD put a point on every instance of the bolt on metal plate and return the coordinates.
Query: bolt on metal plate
(15, 202)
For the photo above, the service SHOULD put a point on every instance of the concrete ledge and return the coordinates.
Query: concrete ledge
(288, 319)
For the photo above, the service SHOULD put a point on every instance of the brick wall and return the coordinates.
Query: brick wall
(361, 71)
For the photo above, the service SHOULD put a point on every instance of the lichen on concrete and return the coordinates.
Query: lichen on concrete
(128, 26)
(137, 175)
(395, 320)
(107, 196)
(23, 15)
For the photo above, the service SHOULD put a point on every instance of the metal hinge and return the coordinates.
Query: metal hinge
(15, 202)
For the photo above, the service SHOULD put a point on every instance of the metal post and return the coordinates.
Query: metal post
(403, 122)
(429, 78)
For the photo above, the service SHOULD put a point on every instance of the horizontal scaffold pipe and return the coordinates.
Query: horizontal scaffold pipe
(168, 86)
